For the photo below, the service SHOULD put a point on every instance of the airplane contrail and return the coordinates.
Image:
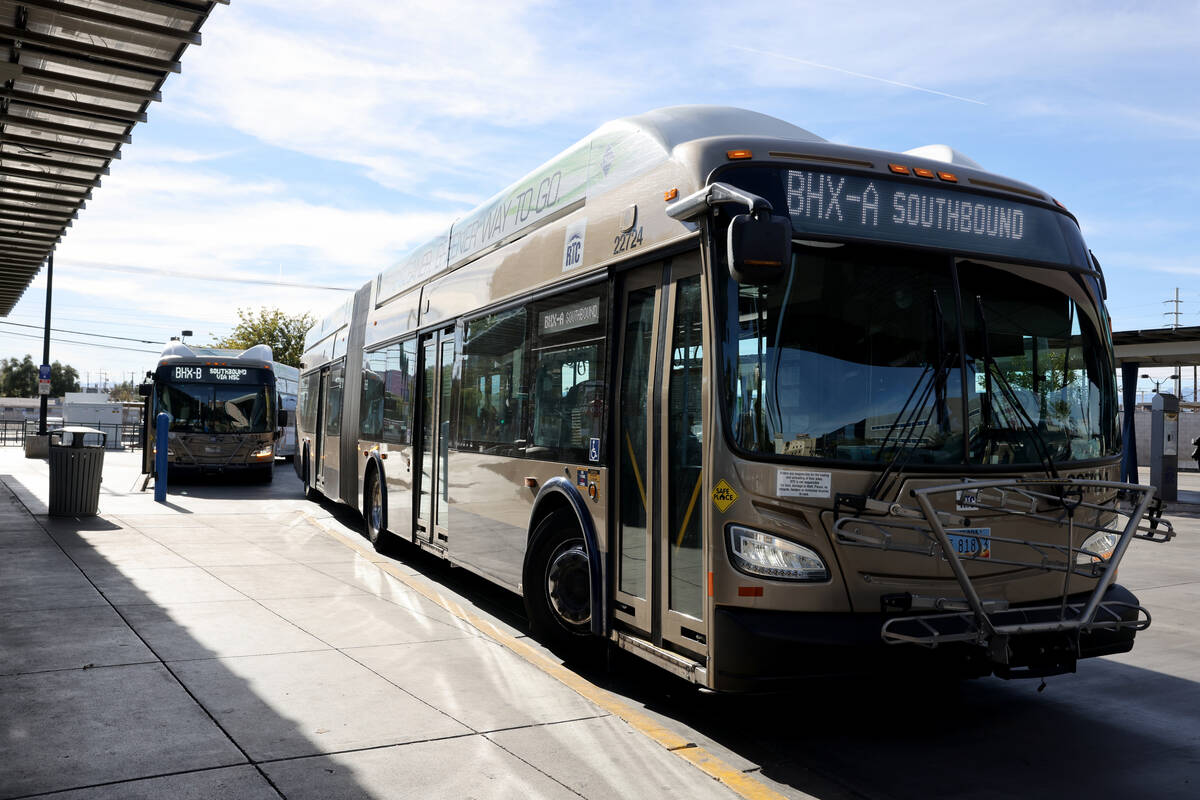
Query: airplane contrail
(858, 74)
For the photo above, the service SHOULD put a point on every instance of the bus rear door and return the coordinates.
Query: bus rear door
(432, 440)
(329, 431)
(659, 547)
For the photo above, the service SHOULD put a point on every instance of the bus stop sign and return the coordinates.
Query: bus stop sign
(44, 379)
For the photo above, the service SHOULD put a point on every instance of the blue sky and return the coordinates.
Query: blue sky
(317, 140)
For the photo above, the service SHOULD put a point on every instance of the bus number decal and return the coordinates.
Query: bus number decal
(627, 240)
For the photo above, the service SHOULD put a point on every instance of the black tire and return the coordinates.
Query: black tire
(557, 587)
(309, 492)
(375, 510)
(266, 474)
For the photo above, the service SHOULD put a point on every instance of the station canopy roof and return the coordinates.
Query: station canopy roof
(1167, 347)
(79, 74)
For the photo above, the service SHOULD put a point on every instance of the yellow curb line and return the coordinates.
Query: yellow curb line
(743, 784)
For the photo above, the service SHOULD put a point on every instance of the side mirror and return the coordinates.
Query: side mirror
(145, 389)
(282, 419)
(760, 248)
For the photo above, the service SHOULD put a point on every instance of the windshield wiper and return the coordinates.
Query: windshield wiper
(1010, 395)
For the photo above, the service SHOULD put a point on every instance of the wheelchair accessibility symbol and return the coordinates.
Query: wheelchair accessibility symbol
(594, 450)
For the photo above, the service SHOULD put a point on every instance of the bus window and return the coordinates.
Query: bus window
(387, 406)
(309, 387)
(333, 401)
(493, 398)
(568, 385)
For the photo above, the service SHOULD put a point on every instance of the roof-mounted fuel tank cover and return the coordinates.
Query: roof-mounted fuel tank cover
(945, 154)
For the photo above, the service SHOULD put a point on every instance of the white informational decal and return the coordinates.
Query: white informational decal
(802, 483)
(966, 500)
(573, 245)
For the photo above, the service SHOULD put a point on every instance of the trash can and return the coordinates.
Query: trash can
(75, 468)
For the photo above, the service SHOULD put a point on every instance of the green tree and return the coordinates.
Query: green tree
(283, 332)
(124, 392)
(63, 379)
(19, 378)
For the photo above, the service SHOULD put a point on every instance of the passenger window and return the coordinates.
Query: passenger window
(568, 383)
(333, 401)
(493, 397)
(388, 377)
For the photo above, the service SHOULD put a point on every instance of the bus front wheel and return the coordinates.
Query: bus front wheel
(557, 586)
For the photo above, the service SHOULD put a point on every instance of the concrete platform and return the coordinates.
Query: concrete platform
(240, 642)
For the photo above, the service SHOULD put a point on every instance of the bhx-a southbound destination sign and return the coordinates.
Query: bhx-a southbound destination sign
(878, 208)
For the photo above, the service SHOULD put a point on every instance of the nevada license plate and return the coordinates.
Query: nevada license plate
(971, 542)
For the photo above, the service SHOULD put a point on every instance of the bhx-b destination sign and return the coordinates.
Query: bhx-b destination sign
(204, 373)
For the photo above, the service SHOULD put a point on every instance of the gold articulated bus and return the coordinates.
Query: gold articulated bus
(225, 415)
(750, 405)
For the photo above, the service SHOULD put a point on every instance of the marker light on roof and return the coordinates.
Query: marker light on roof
(670, 194)
(899, 169)
(921, 172)
(948, 176)
(737, 155)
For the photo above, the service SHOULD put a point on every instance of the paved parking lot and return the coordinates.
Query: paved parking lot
(242, 642)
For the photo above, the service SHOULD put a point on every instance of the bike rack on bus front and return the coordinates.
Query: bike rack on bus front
(1052, 502)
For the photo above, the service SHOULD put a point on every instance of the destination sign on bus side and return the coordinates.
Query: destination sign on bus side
(879, 208)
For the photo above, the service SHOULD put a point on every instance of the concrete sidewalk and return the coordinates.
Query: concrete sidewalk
(231, 644)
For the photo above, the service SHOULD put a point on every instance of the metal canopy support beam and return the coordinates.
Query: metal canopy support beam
(1129, 379)
(73, 107)
(60, 147)
(55, 44)
(63, 128)
(48, 177)
(46, 338)
(130, 23)
(53, 163)
(40, 190)
(43, 205)
(87, 84)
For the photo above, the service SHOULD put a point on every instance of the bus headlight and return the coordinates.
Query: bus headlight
(1097, 548)
(264, 452)
(772, 557)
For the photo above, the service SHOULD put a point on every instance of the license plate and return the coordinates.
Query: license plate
(971, 542)
(212, 451)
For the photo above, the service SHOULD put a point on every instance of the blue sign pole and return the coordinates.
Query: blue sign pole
(162, 422)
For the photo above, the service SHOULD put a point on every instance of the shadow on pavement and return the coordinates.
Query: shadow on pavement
(90, 695)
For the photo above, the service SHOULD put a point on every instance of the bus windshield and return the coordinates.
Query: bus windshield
(201, 408)
(864, 352)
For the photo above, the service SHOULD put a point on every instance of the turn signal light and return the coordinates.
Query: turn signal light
(670, 194)
(899, 169)
(948, 176)
(921, 172)
(750, 591)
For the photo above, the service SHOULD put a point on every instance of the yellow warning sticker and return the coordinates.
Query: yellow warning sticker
(723, 495)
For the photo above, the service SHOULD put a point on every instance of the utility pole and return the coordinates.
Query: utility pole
(1176, 312)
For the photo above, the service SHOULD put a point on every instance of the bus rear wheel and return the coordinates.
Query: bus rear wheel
(557, 587)
(374, 512)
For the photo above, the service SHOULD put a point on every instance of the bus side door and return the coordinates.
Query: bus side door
(330, 431)
(659, 545)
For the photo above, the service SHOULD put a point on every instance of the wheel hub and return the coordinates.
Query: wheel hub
(568, 584)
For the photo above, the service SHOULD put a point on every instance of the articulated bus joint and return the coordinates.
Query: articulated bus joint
(565, 489)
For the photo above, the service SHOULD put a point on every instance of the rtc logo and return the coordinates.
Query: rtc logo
(573, 245)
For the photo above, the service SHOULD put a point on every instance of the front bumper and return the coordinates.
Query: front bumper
(763, 650)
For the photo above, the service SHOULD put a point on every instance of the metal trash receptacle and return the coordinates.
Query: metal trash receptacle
(75, 470)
